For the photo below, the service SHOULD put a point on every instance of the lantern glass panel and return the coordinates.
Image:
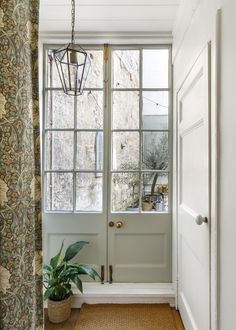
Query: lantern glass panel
(73, 66)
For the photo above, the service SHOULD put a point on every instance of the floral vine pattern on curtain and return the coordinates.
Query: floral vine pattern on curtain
(20, 193)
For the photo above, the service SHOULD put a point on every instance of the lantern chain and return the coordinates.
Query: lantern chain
(73, 21)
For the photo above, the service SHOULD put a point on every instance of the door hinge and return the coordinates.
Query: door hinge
(110, 274)
(106, 52)
(102, 274)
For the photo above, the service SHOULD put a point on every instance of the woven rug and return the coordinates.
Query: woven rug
(126, 317)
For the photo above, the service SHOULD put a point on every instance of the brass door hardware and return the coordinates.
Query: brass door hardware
(110, 274)
(111, 223)
(105, 52)
(102, 274)
(119, 224)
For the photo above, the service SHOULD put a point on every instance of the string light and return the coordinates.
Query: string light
(144, 97)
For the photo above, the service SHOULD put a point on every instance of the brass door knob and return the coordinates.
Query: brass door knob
(119, 224)
(111, 224)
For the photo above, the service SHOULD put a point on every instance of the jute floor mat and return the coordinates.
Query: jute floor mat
(126, 317)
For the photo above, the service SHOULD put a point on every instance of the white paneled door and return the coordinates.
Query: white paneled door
(194, 196)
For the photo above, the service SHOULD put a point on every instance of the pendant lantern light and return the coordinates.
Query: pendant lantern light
(73, 63)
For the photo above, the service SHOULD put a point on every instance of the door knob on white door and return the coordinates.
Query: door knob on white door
(200, 220)
(119, 224)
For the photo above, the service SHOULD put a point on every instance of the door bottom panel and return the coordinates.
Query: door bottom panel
(125, 293)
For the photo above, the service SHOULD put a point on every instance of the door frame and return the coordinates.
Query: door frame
(215, 81)
(107, 104)
(163, 38)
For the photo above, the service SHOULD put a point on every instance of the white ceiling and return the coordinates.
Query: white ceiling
(109, 15)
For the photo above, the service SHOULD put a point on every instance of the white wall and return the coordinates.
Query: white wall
(195, 26)
(228, 167)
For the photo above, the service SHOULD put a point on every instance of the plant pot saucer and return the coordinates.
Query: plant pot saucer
(132, 208)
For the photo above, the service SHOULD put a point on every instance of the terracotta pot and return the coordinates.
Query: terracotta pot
(59, 311)
(146, 206)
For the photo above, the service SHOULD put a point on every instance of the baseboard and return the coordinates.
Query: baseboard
(125, 293)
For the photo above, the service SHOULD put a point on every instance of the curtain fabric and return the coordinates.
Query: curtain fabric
(20, 192)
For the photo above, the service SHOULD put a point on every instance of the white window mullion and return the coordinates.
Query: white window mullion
(75, 154)
(140, 126)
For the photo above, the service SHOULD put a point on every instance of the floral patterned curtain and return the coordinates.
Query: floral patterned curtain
(20, 193)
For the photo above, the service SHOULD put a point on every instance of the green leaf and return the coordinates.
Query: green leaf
(55, 260)
(47, 267)
(154, 184)
(73, 249)
(67, 289)
(48, 293)
(67, 272)
(61, 267)
(86, 269)
(47, 270)
(59, 293)
(75, 278)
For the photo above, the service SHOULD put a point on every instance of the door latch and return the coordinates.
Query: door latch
(110, 274)
(102, 274)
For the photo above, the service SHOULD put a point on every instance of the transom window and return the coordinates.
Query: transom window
(114, 140)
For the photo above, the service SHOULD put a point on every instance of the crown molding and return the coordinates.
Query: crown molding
(107, 37)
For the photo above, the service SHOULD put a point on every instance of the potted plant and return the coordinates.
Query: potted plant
(148, 201)
(59, 275)
(134, 206)
(147, 204)
(163, 191)
(155, 158)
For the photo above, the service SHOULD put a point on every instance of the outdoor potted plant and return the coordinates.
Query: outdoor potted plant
(59, 275)
(148, 200)
(147, 204)
(134, 207)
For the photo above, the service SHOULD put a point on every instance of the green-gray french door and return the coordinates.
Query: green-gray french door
(107, 163)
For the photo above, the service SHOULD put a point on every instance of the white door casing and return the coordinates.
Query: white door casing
(194, 195)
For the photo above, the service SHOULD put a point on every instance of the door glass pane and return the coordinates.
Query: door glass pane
(89, 192)
(125, 150)
(125, 110)
(125, 192)
(53, 79)
(155, 110)
(59, 191)
(155, 192)
(89, 151)
(155, 150)
(90, 110)
(155, 68)
(125, 68)
(60, 111)
(84, 117)
(95, 76)
(59, 150)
